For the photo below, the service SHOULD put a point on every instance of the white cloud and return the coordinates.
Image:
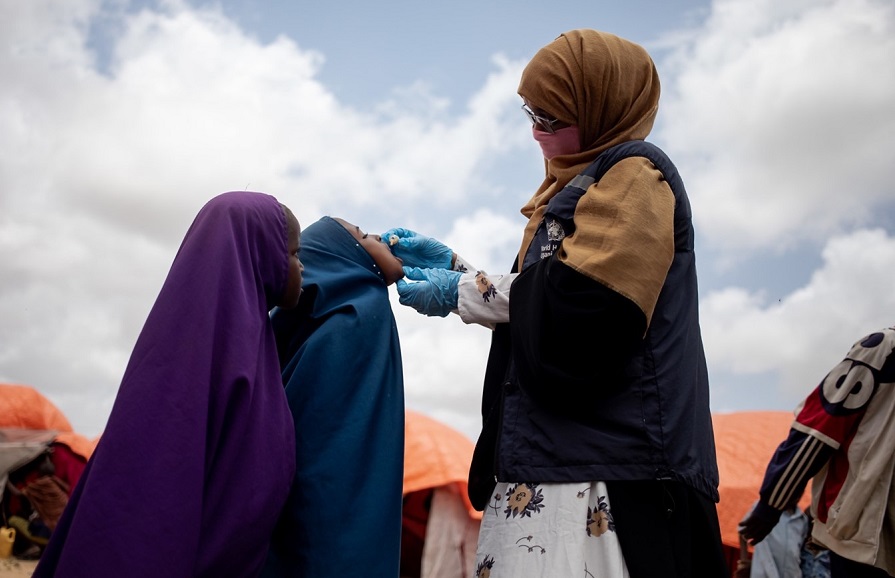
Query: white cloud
(486, 240)
(444, 366)
(780, 115)
(105, 168)
(801, 337)
(444, 359)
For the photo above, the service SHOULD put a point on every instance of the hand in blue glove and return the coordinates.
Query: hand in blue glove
(418, 250)
(434, 292)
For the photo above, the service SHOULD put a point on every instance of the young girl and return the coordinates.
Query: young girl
(342, 369)
(195, 463)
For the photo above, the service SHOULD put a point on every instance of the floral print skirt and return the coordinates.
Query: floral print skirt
(549, 530)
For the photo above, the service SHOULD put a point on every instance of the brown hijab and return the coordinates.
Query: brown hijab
(609, 88)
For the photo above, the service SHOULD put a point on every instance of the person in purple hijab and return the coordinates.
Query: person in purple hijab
(198, 455)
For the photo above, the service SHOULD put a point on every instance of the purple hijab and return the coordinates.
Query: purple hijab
(197, 458)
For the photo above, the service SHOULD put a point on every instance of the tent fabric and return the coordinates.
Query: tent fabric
(23, 407)
(440, 526)
(436, 455)
(18, 446)
(745, 442)
(29, 425)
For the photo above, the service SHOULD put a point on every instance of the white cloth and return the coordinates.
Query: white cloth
(549, 530)
(481, 298)
(451, 537)
(779, 555)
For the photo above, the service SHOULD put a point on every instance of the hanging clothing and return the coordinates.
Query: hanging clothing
(451, 537)
(195, 462)
(342, 369)
(779, 555)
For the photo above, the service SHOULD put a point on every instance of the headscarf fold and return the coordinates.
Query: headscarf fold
(605, 85)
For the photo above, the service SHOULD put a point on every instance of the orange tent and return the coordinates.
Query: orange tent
(24, 407)
(436, 455)
(440, 527)
(745, 442)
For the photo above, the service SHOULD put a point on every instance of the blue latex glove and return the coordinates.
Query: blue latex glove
(434, 292)
(418, 250)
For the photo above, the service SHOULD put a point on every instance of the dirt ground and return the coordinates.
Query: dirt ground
(15, 568)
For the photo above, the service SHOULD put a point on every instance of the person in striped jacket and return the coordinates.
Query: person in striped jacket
(843, 439)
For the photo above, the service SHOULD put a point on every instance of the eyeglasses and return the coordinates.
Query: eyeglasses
(545, 123)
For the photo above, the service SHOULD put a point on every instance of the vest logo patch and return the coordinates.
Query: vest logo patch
(555, 232)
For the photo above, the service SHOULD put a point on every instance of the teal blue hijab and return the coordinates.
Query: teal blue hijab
(342, 370)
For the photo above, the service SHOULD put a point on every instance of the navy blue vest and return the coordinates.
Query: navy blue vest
(657, 422)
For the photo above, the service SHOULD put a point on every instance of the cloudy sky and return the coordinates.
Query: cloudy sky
(119, 120)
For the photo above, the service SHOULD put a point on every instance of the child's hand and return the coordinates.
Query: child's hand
(418, 250)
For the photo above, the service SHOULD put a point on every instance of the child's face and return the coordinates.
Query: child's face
(292, 293)
(392, 267)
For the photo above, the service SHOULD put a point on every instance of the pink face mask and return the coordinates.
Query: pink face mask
(565, 141)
